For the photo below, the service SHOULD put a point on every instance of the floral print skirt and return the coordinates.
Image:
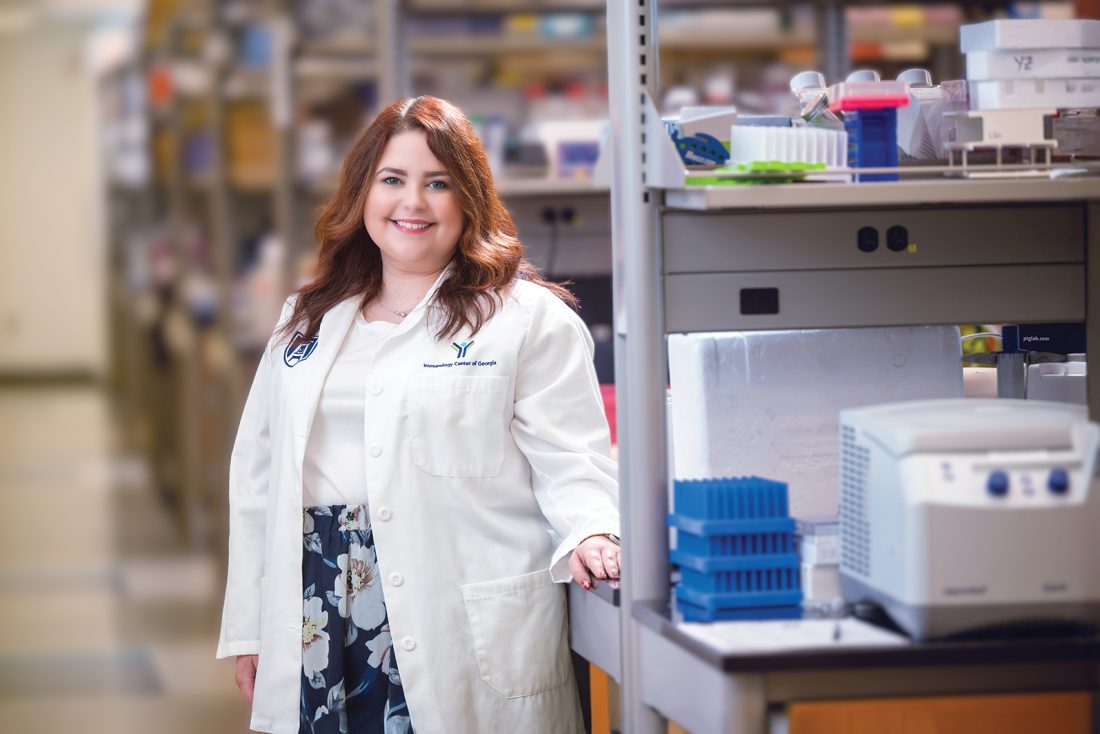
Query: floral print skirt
(350, 681)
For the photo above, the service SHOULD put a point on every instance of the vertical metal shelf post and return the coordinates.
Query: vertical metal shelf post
(833, 55)
(393, 49)
(639, 339)
(1092, 315)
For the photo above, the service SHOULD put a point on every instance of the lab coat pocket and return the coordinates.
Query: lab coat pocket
(520, 633)
(456, 424)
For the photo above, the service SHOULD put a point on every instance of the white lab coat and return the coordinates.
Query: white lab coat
(483, 474)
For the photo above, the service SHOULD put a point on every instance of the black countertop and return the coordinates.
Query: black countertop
(1078, 645)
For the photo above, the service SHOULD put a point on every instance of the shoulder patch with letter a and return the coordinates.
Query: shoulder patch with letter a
(298, 350)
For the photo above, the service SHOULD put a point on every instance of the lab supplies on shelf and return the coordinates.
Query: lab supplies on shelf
(920, 123)
(735, 549)
(958, 515)
(1060, 382)
(818, 543)
(752, 144)
(871, 118)
(1020, 64)
(818, 540)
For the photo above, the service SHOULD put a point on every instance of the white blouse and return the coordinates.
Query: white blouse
(334, 472)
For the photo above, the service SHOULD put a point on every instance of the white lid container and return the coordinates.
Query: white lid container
(1030, 93)
(1076, 63)
(1000, 35)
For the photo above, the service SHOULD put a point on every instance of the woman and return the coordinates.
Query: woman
(430, 402)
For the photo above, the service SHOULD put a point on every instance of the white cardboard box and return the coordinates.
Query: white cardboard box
(1021, 34)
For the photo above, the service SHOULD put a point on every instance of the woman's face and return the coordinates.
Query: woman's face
(412, 213)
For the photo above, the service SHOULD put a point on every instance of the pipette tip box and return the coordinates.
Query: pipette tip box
(735, 546)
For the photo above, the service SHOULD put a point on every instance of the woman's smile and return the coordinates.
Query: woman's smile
(411, 226)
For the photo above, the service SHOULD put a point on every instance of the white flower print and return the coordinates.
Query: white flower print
(337, 705)
(314, 638)
(308, 525)
(380, 647)
(357, 590)
(397, 724)
(381, 655)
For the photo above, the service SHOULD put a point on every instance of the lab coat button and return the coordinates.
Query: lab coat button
(375, 450)
(408, 643)
(396, 579)
(384, 513)
(375, 389)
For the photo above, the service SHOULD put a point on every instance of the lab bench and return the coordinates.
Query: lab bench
(705, 690)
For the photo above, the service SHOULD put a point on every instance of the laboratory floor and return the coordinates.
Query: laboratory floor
(108, 621)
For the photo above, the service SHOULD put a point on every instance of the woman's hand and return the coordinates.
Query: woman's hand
(599, 555)
(246, 675)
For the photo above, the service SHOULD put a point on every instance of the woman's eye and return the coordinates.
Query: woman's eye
(391, 180)
(437, 184)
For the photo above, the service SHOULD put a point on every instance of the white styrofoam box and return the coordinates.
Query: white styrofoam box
(750, 143)
(1061, 382)
(820, 583)
(768, 403)
(1015, 94)
(1002, 127)
(1001, 35)
(1061, 63)
(823, 550)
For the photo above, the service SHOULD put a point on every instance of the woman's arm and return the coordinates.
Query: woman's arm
(560, 426)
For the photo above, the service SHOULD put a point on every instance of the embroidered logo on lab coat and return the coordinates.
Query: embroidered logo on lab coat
(298, 351)
(462, 349)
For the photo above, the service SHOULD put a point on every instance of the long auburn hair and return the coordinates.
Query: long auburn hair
(489, 255)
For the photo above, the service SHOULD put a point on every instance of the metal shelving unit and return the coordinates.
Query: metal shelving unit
(1022, 250)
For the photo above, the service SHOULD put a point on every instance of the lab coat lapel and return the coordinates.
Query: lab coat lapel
(330, 337)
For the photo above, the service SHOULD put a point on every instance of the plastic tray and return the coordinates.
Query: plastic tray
(730, 498)
(713, 602)
(694, 613)
(714, 564)
(749, 581)
(726, 546)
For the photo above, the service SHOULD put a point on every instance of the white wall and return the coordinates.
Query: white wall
(53, 305)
